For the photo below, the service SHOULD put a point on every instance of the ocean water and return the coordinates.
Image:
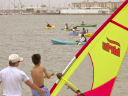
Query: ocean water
(26, 35)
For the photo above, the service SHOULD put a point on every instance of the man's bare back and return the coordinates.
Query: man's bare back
(37, 74)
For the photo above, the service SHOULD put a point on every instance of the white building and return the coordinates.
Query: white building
(86, 10)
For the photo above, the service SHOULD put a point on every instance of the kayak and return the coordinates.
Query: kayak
(94, 25)
(66, 29)
(74, 33)
(87, 35)
(50, 27)
(54, 41)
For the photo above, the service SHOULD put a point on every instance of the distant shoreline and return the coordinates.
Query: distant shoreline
(59, 14)
(72, 14)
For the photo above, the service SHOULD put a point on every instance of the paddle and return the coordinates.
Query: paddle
(45, 21)
(71, 25)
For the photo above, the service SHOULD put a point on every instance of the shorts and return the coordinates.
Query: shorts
(36, 93)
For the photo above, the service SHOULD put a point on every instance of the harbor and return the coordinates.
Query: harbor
(75, 8)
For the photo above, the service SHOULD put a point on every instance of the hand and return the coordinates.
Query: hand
(52, 73)
(42, 91)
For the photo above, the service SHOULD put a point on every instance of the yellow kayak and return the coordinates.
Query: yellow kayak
(87, 35)
(50, 27)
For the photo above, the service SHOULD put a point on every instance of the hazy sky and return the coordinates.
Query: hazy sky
(5, 3)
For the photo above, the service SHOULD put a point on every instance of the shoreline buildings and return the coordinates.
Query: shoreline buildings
(92, 7)
(75, 8)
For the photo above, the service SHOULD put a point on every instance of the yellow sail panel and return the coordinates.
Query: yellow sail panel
(122, 16)
(108, 53)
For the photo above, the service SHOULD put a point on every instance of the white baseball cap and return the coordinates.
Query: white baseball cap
(15, 58)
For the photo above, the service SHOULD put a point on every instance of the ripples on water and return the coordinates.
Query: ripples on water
(27, 35)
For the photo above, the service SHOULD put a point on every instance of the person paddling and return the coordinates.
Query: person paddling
(83, 23)
(48, 25)
(83, 39)
(75, 30)
(84, 31)
(66, 26)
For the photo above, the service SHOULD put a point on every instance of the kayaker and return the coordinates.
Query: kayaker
(66, 26)
(84, 31)
(83, 23)
(38, 76)
(83, 39)
(75, 30)
(12, 78)
(48, 25)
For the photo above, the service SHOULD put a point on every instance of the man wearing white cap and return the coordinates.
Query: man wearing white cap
(12, 78)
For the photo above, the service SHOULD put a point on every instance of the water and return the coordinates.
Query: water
(26, 35)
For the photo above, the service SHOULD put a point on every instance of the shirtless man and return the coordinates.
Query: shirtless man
(38, 76)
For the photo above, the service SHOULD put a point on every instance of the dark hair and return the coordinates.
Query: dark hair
(82, 35)
(11, 64)
(36, 58)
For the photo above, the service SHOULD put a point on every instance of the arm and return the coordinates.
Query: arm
(48, 75)
(0, 82)
(35, 87)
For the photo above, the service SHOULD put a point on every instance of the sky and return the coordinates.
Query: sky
(35, 3)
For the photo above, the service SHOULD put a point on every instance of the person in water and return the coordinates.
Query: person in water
(75, 30)
(83, 39)
(12, 78)
(48, 25)
(66, 26)
(38, 76)
(84, 31)
(83, 23)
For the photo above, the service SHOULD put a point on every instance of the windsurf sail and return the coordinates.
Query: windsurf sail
(107, 49)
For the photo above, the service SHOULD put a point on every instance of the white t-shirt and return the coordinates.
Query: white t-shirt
(74, 30)
(82, 39)
(66, 27)
(12, 78)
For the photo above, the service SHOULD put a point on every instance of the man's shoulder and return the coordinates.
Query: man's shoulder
(4, 69)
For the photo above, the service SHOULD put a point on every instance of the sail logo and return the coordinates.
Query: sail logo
(108, 47)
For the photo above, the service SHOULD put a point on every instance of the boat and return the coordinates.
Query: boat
(54, 41)
(66, 29)
(87, 35)
(94, 25)
(74, 34)
(50, 27)
(107, 49)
